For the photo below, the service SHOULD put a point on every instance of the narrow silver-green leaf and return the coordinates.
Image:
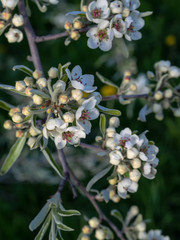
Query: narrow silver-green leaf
(64, 227)
(97, 177)
(24, 69)
(51, 161)
(54, 200)
(108, 111)
(11, 88)
(13, 155)
(6, 106)
(105, 80)
(40, 93)
(102, 124)
(67, 213)
(44, 228)
(117, 215)
(105, 194)
(36, 222)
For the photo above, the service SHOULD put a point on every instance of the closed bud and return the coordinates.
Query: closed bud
(159, 116)
(26, 111)
(127, 76)
(31, 141)
(63, 99)
(157, 107)
(113, 181)
(136, 163)
(158, 95)
(14, 110)
(168, 93)
(133, 87)
(176, 112)
(17, 117)
(42, 82)
(85, 237)
(37, 74)
(150, 75)
(98, 139)
(6, 15)
(33, 132)
(115, 199)
(53, 72)
(20, 86)
(29, 81)
(125, 12)
(38, 100)
(141, 227)
(2, 24)
(112, 193)
(110, 143)
(86, 229)
(17, 20)
(135, 175)
(75, 35)
(68, 117)
(76, 94)
(19, 125)
(100, 234)
(28, 91)
(77, 24)
(114, 122)
(8, 125)
(19, 133)
(94, 222)
(14, 35)
(67, 25)
(166, 103)
(122, 169)
(132, 153)
(84, 8)
(110, 132)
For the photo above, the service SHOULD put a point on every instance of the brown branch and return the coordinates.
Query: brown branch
(30, 36)
(116, 96)
(91, 147)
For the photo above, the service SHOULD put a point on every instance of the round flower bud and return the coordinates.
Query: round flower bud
(37, 74)
(2, 24)
(176, 112)
(48, 110)
(68, 117)
(174, 72)
(113, 181)
(99, 234)
(28, 81)
(110, 143)
(38, 100)
(98, 139)
(9, 3)
(14, 110)
(33, 132)
(141, 227)
(86, 229)
(17, 20)
(76, 94)
(159, 116)
(63, 99)
(136, 163)
(67, 25)
(115, 157)
(17, 118)
(94, 222)
(77, 24)
(84, 8)
(19, 125)
(42, 82)
(20, 86)
(158, 95)
(114, 122)
(28, 91)
(112, 193)
(166, 103)
(157, 107)
(26, 111)
(110, 132)
(14, 35)
(122, 168)
(6, 15)
(75, 35)
(132, 153)
(31, 141)
(115, 199)
(85, 237)
(125, 12)
(19, 133)
(53, 72)
(150, 75)
(135, 175)
(133, 87)
(8, 125)
(168, 93)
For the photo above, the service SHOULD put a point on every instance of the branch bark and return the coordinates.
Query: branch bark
(116, 96)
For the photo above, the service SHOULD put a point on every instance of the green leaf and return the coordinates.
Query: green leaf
(59, 71)
(24, 69)
(51, 161)
(6, 106)
(64, 227)
(40, 93)
(97, 177)
(36, 222)
(102, 124)
(44, 228)
(105, 80)
(109, 234)
(13, 155)
(54, 200)
(115, 213)
(3, 29)
(67, 213)
(105, 194)
(113, 112)
(11, 88)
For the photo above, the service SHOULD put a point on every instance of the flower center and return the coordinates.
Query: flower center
(78, 79)
(144, 149)
(85, 116)
(96, 13)
(117, 25)
(67, 136)
(131, 27)
(123, 141)
(102, 34)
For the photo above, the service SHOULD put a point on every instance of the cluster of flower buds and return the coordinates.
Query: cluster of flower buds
(165, 92)
(95, 228)
(114, 20)
(14, 21)
(56, 110)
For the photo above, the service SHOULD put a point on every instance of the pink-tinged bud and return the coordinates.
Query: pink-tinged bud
(17, 117)
(20, 86)
(94, 222)
(8, 125)
(37, 74)
(75, 35)
(38, 100)
(28, 91)
(77, 24)
(67, 25)
(26, 111)
(14, 110)
(19, 133)
(86, 229)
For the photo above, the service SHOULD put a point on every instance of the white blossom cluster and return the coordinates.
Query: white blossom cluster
(132, 155)
(65, 115)
(165, 91)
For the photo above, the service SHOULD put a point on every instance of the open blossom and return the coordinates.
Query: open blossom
(116, 7)
(100, 36)
(125, 186)
(131, 4)
(9, 3)
(82, 82)
(85, 113)
(115, 157)
(118, 26)
(14, 35)
(156, 234)
(134, 23)
(149, 170)
(69, 135)
(98, 10)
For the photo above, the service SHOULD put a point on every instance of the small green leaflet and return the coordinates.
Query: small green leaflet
(108, 111)
(24, 69)
(13, 155)
(115, 213)
(44, 228)
(106, 81)
(67, 213)
(40, 93)
(11, 88)
(6, 106)
(102, 124)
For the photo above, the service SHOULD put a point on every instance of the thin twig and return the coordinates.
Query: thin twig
(116, 96)
(91, 147)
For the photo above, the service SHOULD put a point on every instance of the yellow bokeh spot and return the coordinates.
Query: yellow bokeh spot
(85, 95)
(170, 40)
(107, 90)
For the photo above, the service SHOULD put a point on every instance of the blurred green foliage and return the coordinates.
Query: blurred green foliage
(158, 200)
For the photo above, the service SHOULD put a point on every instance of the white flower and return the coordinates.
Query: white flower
(126, 185)
(149, 170)
(82, 82)
(98, 10)
(115, 157)
(85, 113)
(54, 2)
(138, 85)
(156, 235)
(174, 72)
(17, 20)
(134, 22)
(134, 175)
(114, 122)
(110, 132)
(116, 7)
(132, 153)
(69, 135)
(131, 4)
(9, 3)
(118, 26)
(162, 66)
(14, 35)
(100, 36)
(110, 143)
